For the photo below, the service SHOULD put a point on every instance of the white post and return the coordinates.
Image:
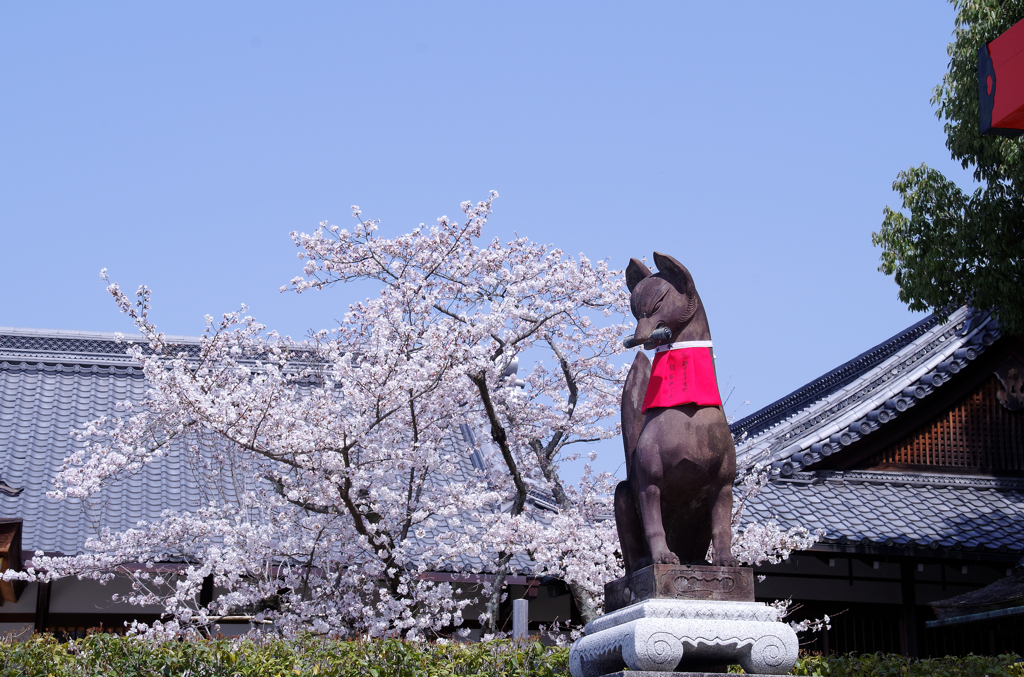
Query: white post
(520, 619)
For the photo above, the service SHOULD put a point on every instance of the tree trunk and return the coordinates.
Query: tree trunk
(590, 606)
(493, 606)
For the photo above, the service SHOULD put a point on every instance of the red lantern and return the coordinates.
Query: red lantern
(1001, 83)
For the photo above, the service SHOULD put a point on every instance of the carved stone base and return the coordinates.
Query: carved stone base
(667, 635)
(680, 581)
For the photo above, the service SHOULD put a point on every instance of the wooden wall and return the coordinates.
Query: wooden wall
(976, 432)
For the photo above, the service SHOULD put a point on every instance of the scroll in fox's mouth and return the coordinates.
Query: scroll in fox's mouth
(656, 335)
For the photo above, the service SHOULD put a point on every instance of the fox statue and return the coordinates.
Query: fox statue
(680, 458)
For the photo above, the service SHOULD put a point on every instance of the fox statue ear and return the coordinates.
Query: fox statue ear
(674, 273)
(636, 272)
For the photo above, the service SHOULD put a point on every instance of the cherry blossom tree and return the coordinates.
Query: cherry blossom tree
(755, 543)
(327, 463)
(493, 305)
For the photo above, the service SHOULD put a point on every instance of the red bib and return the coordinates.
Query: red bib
(682, 373)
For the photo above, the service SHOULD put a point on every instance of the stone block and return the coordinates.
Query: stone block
(664, 636)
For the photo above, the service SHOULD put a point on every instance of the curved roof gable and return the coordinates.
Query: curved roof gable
(835, 410)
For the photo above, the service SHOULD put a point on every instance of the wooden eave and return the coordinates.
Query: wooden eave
(945, 397)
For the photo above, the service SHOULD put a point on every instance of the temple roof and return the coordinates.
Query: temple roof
(1005, 595)
(41, 403)
(899, 510)
(834, 411)
(874, 509)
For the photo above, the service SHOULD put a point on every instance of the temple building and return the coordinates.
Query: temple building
(910, 460)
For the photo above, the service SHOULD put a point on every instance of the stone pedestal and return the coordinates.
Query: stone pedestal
(668, 635)
(661, 631)
(680, 581)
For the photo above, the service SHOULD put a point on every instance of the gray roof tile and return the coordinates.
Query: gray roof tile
(954, 510)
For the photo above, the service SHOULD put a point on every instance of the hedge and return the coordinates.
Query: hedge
(103, 655)
(883, 665)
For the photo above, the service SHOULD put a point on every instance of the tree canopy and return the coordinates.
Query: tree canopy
(945, 247)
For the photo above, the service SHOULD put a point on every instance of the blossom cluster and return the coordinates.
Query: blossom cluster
(755, 543)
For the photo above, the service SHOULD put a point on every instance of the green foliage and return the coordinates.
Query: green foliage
(883, 665)
(101, 655)
(946, 248)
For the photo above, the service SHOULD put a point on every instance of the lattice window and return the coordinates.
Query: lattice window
(976, 432)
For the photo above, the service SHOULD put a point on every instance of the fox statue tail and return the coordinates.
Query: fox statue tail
(632, 401)
(633, 541)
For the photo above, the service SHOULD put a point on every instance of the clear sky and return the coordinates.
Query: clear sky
(177, 144)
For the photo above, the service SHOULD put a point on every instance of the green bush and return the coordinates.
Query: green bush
(106, 655)
(883, 665)
(103, 655)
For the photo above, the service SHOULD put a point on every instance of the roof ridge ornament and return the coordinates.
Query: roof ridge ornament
(1011, 376)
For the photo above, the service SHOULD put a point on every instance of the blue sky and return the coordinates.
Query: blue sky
(178, 144)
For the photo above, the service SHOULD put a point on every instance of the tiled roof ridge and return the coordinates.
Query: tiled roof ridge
(900, 478)
(47, 349)
(125, 367)
(878, 396)
(823, 385)
(21, 345)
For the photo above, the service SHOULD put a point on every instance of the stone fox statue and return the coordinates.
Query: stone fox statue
(680, 458)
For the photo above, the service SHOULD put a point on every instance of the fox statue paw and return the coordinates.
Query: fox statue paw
(666, 558)
(729, 561)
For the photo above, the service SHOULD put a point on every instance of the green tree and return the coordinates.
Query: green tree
(947, 248)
